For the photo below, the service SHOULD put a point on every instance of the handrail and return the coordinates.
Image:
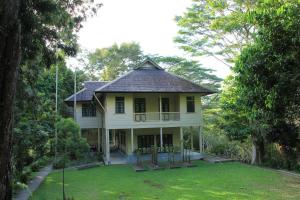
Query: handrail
(156, 116)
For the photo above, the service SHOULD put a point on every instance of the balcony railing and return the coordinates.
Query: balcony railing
(156, 116)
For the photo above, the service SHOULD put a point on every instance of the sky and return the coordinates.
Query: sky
(148, 22)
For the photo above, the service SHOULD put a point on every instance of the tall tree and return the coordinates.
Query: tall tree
(110, 62)
(267, 75)
(38, 29)
(10, 55)
(217, 28)
(191, 70)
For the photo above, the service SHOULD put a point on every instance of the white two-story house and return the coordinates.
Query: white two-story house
(145, 107)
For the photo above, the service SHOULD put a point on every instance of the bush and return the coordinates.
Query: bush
(35, 166)
(25, 175)
(275, 158)
(60, 163)
(69, 140)
(220, 145)
(19, 186)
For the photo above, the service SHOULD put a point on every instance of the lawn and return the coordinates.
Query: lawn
(207, 181)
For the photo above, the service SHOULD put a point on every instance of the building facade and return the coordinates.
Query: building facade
(145, 107)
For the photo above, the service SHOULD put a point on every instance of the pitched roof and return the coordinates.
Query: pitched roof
(86, 94)
(149, 77)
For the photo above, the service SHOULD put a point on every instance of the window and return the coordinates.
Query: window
(190, 104)
(88, 110)
(120, 107)
(140, 105)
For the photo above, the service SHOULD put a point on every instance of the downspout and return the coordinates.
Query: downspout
(99, 102)
(102, 120)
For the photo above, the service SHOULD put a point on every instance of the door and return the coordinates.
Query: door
(165, 107)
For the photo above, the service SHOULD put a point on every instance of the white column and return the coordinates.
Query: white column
(98, 140)
(200, 139)
(181, 141)
(132, 141)
(161, 138)
(107, 146)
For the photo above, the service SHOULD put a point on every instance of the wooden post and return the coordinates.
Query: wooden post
(107, 146)
(132, 141)
(161, 138)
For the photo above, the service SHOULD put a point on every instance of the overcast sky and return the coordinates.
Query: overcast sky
(148, 22)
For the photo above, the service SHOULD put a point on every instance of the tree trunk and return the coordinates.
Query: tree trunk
(10, 54)
(258, 150)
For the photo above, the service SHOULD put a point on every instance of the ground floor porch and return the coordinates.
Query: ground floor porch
(120, 146)
(117, 157)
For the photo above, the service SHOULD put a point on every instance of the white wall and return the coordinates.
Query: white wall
(87, 122)
(177, 103)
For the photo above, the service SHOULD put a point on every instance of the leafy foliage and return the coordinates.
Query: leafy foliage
(114, 60)
(217, 28)
(267, 77)
(69, 140)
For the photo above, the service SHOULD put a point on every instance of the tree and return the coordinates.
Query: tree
(110, 62)
(267, 75)
(217, 28)
(113, 61)
(69, 141)
(191, 70)
(38, 29)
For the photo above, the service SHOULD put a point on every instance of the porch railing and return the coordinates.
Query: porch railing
(156, 116)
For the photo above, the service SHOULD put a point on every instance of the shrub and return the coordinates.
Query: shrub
(35, 166)
(220, 145)
(25, 175)
(60, 163)
(69, 140)
(19, 186)
(276, 158)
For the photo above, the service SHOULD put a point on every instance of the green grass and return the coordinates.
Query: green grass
(207, 181)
